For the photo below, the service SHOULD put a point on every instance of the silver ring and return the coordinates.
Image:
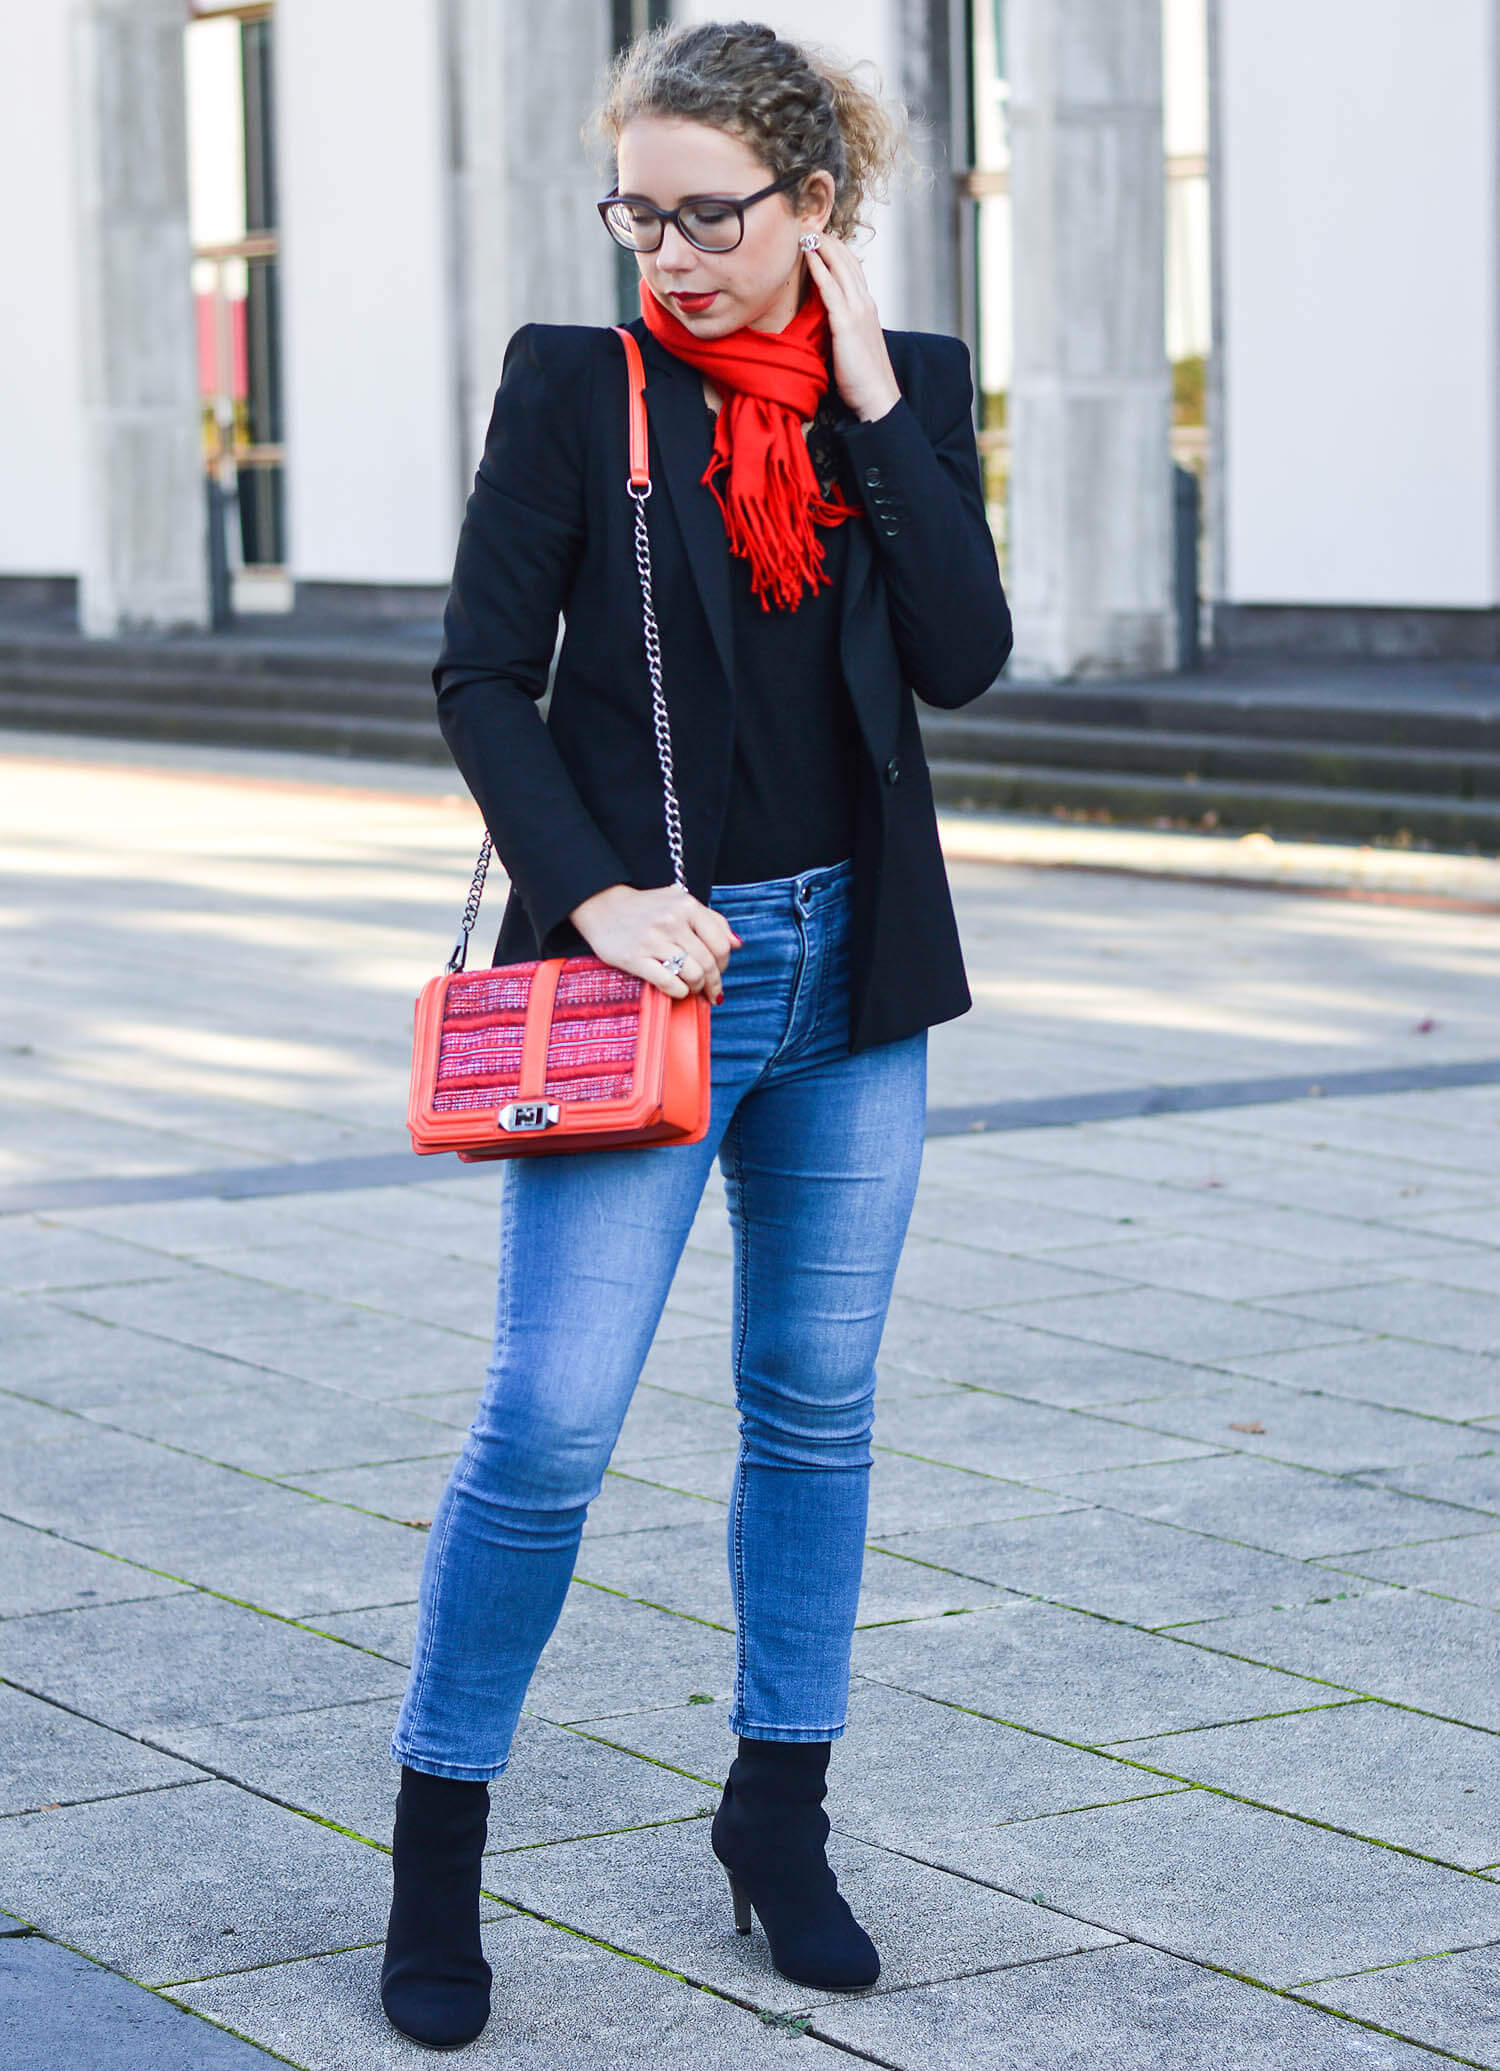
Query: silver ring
(673, 964)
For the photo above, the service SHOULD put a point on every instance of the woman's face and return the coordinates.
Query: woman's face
(668, 161)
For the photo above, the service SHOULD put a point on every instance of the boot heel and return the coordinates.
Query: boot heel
(741, 1898)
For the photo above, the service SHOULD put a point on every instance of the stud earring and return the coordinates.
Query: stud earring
(809, 242)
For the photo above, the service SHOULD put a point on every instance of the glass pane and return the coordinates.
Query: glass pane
(263, 352)
(216, 133)
(262, 526)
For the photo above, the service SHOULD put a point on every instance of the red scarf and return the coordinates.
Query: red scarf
(760, 473)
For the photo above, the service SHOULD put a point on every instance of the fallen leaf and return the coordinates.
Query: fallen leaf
(1259, 1429)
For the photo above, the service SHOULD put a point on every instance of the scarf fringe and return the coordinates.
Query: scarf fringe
(761, 474)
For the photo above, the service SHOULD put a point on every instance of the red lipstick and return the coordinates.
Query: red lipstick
(694, 305)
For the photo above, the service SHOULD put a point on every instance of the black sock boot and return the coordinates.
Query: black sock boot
(769, 1833)
(435, 1983)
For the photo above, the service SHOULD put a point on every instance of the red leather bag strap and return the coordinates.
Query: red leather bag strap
(640, 458)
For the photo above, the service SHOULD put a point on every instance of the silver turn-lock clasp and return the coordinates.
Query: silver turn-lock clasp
(519, 1116)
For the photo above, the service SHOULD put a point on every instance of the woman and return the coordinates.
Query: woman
(821, 552)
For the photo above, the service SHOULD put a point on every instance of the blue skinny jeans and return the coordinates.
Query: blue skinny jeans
(820, 1152)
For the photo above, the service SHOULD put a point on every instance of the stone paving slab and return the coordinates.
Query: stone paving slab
(1134, 2009)
(1301, 1512)
(83, 1365)
(683, 1568)
(561, 2004)
(386, 1279)
(955, 1276)
(51, 1757)
(1085, 1679)
(1469, 1474)
(1244, 1889)
(278, 1427)
(403, 1491)
(1367, 1768)
(1224, 1269)
(1472, 1271)
(1018, 1354)
(384, 1359)
(1449, 2002)
(1122, 1567)
(1431, 1380)
(39, 1572)
(1306, 1429)
(219, 1880)
(660, 1424)
(1412, 1649)
(25, 1422)
(335, 1763)
(60, 2012)
(1180, 1326)
(1345, 1240)
(992, 1222)
(1467, 1568)
(186, 1660)
(37, 1256)
(661, 1893)
(910, 1774)
(1019, 1441)
(1420, 1309)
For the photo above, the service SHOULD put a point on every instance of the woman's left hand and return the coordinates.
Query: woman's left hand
(861, 365)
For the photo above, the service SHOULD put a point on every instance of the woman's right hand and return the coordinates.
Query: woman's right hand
(636, 931)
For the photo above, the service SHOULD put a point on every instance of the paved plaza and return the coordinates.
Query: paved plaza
(1175, 1738)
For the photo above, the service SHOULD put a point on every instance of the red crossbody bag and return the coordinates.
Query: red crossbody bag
(566, 1054)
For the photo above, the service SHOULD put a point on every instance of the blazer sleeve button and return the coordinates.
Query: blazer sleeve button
(874, 477)
(893, 769)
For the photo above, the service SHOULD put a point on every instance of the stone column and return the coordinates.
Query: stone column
(145, 559)
(1091, 508)
(933, 72)
(527, 245)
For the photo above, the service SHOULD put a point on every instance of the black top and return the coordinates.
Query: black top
(576, 803)
(791, 800)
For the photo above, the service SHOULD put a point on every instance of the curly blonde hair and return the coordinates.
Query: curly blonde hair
(796, 106)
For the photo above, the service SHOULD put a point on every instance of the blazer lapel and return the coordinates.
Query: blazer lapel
(679, 428)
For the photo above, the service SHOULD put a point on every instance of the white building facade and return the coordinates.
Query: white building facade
(264, 259)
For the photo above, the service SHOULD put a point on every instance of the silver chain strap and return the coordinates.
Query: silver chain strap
(660, 725)
(460, 953)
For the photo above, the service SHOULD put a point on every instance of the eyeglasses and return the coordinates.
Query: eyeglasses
(711, 222)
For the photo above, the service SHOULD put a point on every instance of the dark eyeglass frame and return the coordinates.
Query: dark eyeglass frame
(738, 204)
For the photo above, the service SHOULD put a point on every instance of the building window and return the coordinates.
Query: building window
(237, 290)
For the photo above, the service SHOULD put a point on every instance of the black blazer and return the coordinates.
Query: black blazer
(575, 804)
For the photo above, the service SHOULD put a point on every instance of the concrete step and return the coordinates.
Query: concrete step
(198, 657)
(351, 732)
(1323, 708)
(1361, 759)
(1286, 809)
(1343, 765)
(394, 692)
